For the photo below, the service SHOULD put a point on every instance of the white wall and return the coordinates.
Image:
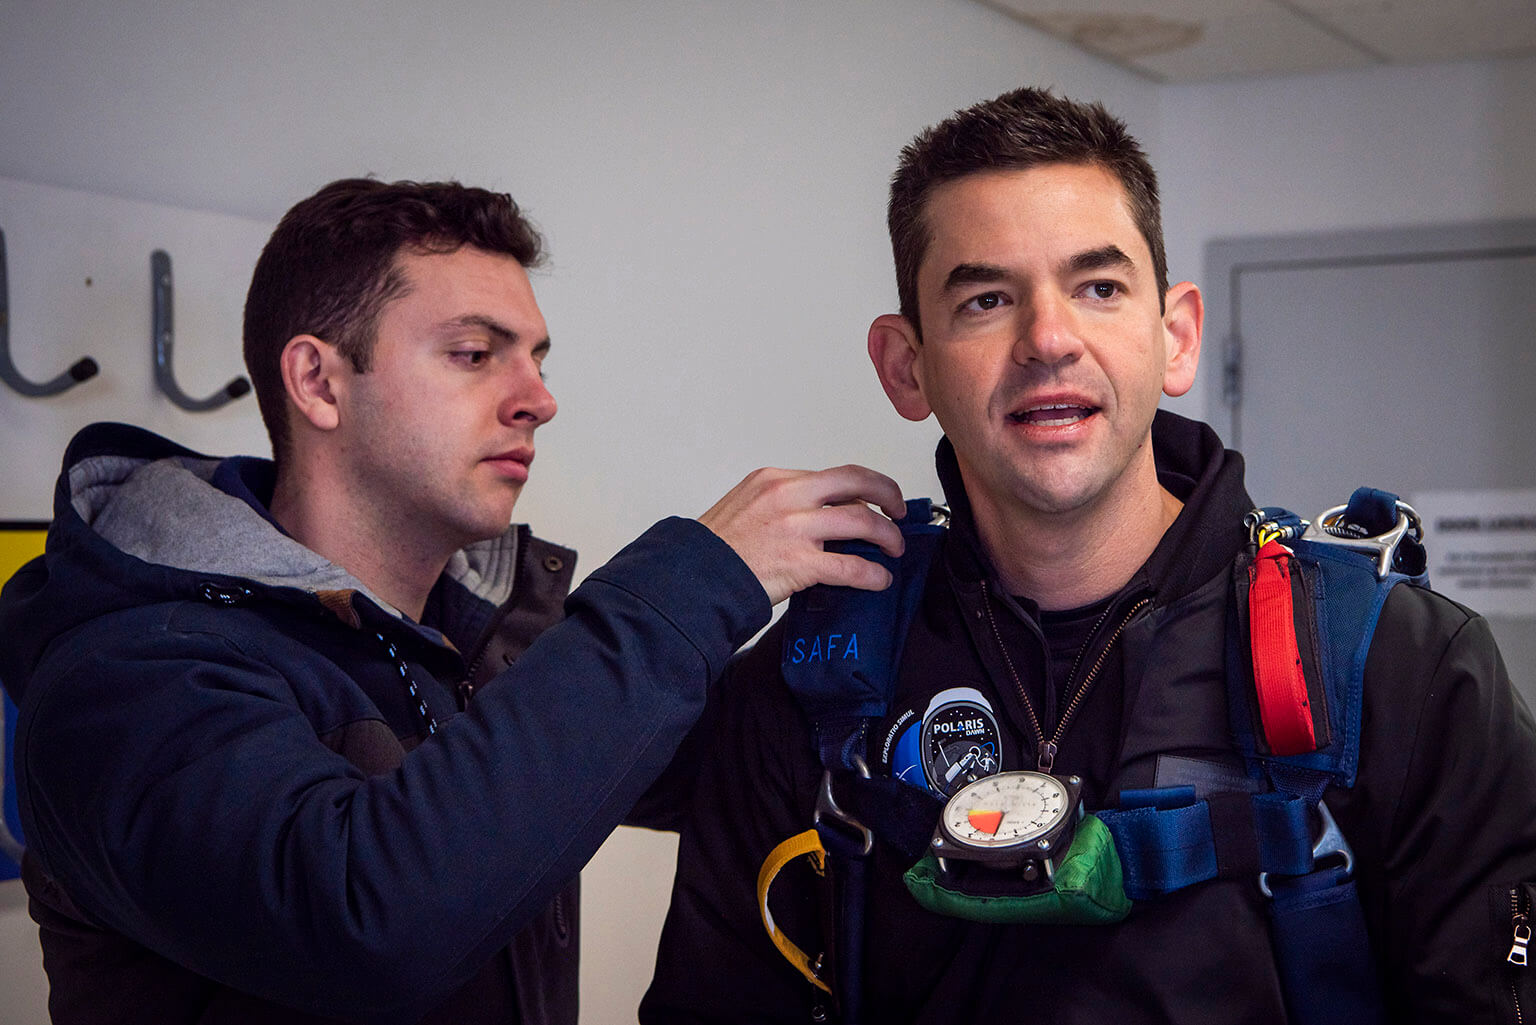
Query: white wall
(710, 175)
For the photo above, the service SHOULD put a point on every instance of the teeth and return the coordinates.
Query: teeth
(1041, 415)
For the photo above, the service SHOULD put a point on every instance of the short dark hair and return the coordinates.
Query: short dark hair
(330, 267)
(1019, 130)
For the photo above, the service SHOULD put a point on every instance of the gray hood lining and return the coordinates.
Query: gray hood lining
(144, 508)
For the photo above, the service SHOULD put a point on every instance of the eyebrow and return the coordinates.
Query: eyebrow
(500, 331)
(1099, 259)
(973, 274)
(497, 330)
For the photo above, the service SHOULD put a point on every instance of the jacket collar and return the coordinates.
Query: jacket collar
(1191, 463)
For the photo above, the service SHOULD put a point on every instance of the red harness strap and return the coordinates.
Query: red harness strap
(1277, 673)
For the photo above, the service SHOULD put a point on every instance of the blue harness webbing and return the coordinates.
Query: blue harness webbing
(1167, 839)
(842, 649)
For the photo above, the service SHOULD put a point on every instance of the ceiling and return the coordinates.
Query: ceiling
(1199, 40)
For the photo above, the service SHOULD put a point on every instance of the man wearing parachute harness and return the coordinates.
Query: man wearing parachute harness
(1115, 747)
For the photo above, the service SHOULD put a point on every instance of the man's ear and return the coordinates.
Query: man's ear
(311, 370)
(1183, 321)
(896, 352)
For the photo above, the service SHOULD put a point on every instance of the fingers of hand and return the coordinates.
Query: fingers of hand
(840, 570)
(768, 494)
(854, 483)
(855, 520)
(778, 521)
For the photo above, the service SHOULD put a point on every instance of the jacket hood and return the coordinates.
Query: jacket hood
(137, 521)
(1191, 463)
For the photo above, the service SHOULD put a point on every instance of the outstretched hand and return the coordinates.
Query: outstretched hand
(778, 520)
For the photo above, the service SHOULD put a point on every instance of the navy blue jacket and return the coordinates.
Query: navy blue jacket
(231, 806)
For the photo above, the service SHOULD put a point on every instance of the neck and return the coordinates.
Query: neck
(321, 514)
(1068, 560)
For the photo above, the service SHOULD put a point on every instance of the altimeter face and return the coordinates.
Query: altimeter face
(1007, 809)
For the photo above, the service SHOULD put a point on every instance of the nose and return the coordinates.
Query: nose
(528, 399)
(1047, 331)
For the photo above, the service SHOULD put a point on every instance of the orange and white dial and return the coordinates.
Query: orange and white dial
(1007, 809)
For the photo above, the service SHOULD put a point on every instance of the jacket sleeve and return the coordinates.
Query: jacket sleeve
(1448, 771)
(755, 788)
(174, 785)
(664, 805)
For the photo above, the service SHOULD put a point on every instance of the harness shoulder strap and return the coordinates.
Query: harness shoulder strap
(842, 646)
(842, 649)
(1306, 602)
(1295, 700)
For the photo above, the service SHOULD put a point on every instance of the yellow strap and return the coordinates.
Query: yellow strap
(809, 843)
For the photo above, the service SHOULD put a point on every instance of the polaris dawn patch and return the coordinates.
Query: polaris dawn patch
(954, 743)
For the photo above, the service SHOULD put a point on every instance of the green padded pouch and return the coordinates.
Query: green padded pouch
(1088, 888)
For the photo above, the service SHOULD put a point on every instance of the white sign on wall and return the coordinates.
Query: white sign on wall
(1482, 548)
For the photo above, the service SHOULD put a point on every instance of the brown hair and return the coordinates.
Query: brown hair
(1019, 130)
(330, 267)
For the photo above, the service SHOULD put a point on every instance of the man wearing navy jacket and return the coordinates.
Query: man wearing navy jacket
(308, 739)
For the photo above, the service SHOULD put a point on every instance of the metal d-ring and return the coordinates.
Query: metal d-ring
(81, 370)
(1380, 547)
(163, 338)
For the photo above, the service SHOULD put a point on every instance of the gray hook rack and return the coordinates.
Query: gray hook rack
(164, 338)
(82, 370)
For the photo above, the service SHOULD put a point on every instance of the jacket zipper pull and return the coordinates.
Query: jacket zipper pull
(1047, 756)
(1517, 953)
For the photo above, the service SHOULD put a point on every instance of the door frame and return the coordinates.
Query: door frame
(1227, 260)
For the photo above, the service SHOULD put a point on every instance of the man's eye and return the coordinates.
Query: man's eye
(473, 357)
(985, 301)
(1103, 289)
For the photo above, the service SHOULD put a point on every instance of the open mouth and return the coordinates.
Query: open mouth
(1053, 415)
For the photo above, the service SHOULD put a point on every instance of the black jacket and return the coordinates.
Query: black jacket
(232, 809)
(1442, 817)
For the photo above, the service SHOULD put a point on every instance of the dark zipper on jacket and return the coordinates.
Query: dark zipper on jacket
(466, 686)
(1045, 750)
(1520, 925)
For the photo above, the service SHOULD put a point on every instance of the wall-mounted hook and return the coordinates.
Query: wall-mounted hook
(160, 281)
(83, 369)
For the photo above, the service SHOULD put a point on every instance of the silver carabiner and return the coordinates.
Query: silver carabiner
(1381, 547)
(1329, 843)
(826, 806)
